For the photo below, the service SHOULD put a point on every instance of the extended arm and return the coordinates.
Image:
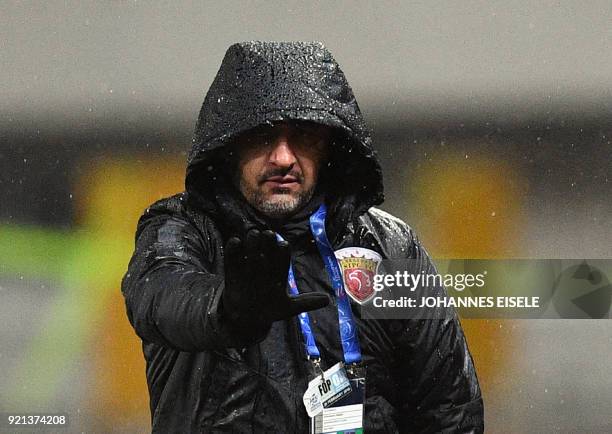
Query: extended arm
(174, 299)
(171, 296)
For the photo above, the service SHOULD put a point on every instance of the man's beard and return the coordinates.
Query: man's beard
(280, 206)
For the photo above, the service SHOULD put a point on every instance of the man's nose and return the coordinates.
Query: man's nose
(282, 154)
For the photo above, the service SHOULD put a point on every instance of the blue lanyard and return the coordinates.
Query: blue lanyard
(348, 330)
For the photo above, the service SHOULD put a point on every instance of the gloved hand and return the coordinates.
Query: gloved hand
(255, 293)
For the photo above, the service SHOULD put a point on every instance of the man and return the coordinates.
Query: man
(282, 174)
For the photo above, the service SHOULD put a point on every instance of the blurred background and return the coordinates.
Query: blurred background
(493, 125)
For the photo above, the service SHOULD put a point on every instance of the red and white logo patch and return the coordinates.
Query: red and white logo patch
(358, 266)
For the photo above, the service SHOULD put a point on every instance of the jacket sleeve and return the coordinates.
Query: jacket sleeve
(439, 388)
(171, 296)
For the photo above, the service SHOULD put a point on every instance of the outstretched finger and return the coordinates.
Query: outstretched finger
(268, 244)
(251, 243)
(280, 260)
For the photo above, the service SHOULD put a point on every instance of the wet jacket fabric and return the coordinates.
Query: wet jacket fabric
(201, 376)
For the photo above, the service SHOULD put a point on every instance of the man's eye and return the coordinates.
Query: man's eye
(260, 137)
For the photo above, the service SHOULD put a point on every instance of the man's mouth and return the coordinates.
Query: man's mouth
(282, 181)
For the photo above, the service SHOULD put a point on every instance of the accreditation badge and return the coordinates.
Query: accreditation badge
(344, 413)
(335, 400)
(358, 266)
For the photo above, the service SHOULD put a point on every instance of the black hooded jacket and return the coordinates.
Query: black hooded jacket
(202, 377)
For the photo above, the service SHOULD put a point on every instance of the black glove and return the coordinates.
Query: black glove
(255, 293)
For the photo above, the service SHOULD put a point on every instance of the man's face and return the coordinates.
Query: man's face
(278, 165)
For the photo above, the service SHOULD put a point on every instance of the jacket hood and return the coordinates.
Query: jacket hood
(263, 82)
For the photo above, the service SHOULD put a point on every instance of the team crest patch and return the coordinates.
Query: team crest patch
(358, 266)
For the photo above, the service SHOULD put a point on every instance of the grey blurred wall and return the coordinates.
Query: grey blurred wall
(90, 61)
